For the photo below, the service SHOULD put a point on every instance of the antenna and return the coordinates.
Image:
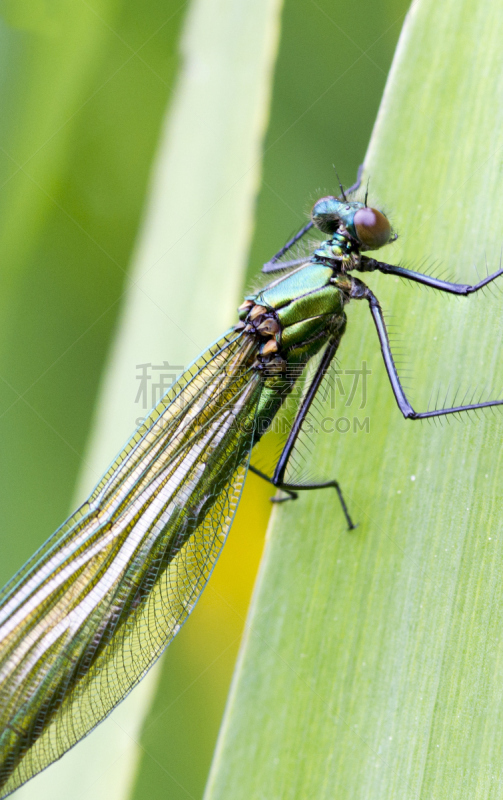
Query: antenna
(367, 193)
(341, 186)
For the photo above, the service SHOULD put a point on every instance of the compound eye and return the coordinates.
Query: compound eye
(372, 228)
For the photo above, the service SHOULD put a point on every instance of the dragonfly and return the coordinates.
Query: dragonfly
(86, 617)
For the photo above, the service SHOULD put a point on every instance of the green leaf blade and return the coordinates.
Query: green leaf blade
(372, 663)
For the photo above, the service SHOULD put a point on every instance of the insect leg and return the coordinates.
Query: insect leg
(370, 264)
(279, 473)
(291, 490)
(291, 494)
(403, 404)
(273, 266)
(358, 183)
(270, 266)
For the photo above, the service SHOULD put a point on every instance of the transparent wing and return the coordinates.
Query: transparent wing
(85, 618)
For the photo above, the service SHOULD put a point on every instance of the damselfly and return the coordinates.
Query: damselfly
(87, 616)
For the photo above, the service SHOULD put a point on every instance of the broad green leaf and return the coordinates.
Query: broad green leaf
(372, 663)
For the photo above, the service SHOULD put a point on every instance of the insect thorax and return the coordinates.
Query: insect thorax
(294, 316)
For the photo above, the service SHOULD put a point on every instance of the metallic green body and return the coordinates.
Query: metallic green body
(309, 307)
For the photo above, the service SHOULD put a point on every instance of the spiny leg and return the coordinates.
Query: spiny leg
(292, 495)
(291, 490)
(463, 289)
(356, 185)
(272, 266)
(326, 360)
(400, 396)
(278, 479)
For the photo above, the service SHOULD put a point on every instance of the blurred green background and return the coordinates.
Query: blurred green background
(84, 88)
